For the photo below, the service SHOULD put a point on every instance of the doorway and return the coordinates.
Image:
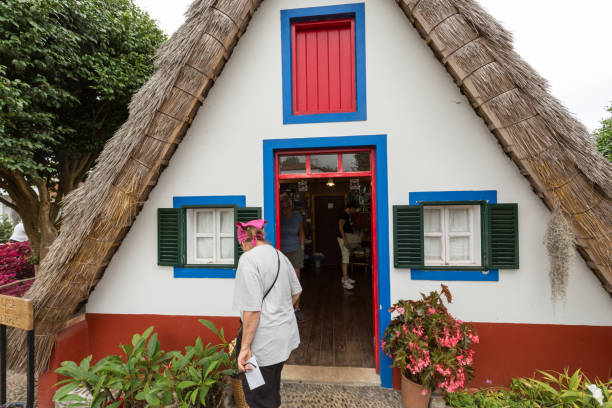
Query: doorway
(339, 327)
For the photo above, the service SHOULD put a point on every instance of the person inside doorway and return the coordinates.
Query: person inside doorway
(346, 232)
(292, 240)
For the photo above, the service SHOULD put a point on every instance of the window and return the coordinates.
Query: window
(323, 66)
(353, 162)
(323, 54)
(456, 235)
(197, 236)
(210, 236)
(452, 235)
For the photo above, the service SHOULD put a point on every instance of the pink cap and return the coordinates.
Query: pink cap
(242, 233)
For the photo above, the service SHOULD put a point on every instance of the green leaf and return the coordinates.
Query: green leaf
(209, 325)
(184, 384)
(152, 346)
(65, 390)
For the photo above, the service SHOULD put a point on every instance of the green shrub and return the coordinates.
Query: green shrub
(559, 390)
(6, 228)
(147, 376)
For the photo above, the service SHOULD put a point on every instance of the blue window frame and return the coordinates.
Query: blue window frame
(417, 198)
(195, 272)
(356, 11)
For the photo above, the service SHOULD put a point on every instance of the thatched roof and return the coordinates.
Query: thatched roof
(550, 147)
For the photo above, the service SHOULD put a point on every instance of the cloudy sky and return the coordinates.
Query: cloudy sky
(567, 42)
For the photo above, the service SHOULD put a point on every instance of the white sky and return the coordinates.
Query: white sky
(567, 42)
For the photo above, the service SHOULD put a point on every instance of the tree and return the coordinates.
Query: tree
(68, 69)
(603, 136)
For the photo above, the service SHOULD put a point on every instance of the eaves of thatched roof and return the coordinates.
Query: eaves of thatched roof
(549, 146)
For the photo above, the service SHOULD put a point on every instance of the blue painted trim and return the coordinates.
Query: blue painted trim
(379, 142)
(492, 275)
(186, 201)
(229, 273)
(416, 198)
(287, 16)
(178, 202)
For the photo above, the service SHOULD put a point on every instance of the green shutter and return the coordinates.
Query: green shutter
(502, 236)
(169, 236)
(408, 248)
(245, 214)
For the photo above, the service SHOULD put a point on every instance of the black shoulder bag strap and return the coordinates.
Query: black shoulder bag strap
(239, 336)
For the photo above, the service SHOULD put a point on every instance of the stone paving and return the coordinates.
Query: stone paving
(300, 395)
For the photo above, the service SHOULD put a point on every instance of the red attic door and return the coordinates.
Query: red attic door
(323, 66)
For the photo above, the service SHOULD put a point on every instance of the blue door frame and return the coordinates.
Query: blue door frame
(379, 142)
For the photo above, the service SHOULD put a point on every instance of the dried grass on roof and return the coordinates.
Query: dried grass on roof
(550, 147)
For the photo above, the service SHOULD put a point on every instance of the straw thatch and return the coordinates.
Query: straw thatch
(549, 146)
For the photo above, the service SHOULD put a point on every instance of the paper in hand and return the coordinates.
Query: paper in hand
(254, 377)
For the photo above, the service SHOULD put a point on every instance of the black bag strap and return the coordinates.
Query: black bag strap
(276, 278)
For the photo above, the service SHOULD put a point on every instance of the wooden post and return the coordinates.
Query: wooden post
(31, 362)
(2, 364)
(19, 313)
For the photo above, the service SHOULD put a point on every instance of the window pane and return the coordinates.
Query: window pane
(460, 249)
(204, 221)
(432, 220)
(292, 164)
(323, 163)
(227, 221)
(356, 161)
(433, 248)
(204, 248)
(459, 220)
(227, 248)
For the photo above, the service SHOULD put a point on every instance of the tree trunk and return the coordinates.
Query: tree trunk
(38, 205)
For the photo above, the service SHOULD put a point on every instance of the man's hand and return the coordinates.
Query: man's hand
(243, 357)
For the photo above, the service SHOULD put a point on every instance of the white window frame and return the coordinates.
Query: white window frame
(216, 235)
(445, 234)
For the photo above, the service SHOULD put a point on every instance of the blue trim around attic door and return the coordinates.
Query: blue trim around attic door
(416, 198)
(379, 142)
(187, 272)
(356, 10)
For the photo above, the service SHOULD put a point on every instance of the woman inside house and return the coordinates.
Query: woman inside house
(346, 233)
(292, 240)
(265, 290)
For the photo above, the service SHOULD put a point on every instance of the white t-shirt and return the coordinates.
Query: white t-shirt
(19, 233)
(277, 333)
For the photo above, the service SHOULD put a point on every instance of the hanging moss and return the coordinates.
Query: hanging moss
(560, 241)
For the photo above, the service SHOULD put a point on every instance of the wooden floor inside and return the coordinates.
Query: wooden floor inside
(338, 328)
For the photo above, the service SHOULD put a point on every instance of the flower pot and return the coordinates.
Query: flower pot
(239, 398)
(411, 394)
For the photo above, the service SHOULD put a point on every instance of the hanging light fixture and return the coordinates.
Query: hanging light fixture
(330, 182)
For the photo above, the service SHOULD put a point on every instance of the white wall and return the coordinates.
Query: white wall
(435, 143)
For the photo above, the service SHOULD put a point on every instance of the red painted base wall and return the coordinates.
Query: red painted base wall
(505, 350)
(101, 335)
(509, 350)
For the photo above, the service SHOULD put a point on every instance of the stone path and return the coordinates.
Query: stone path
(298, 395)
(16, 385)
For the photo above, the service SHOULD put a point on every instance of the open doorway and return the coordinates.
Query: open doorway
(339, 322)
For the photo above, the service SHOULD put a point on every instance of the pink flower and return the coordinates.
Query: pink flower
(424, 392)
(474, 338)
(431, 310)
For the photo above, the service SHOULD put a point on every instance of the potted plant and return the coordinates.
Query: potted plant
(432, 349)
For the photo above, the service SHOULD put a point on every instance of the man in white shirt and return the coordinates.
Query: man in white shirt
(269, 331)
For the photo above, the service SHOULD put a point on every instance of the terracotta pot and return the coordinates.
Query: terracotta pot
(411, 394)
